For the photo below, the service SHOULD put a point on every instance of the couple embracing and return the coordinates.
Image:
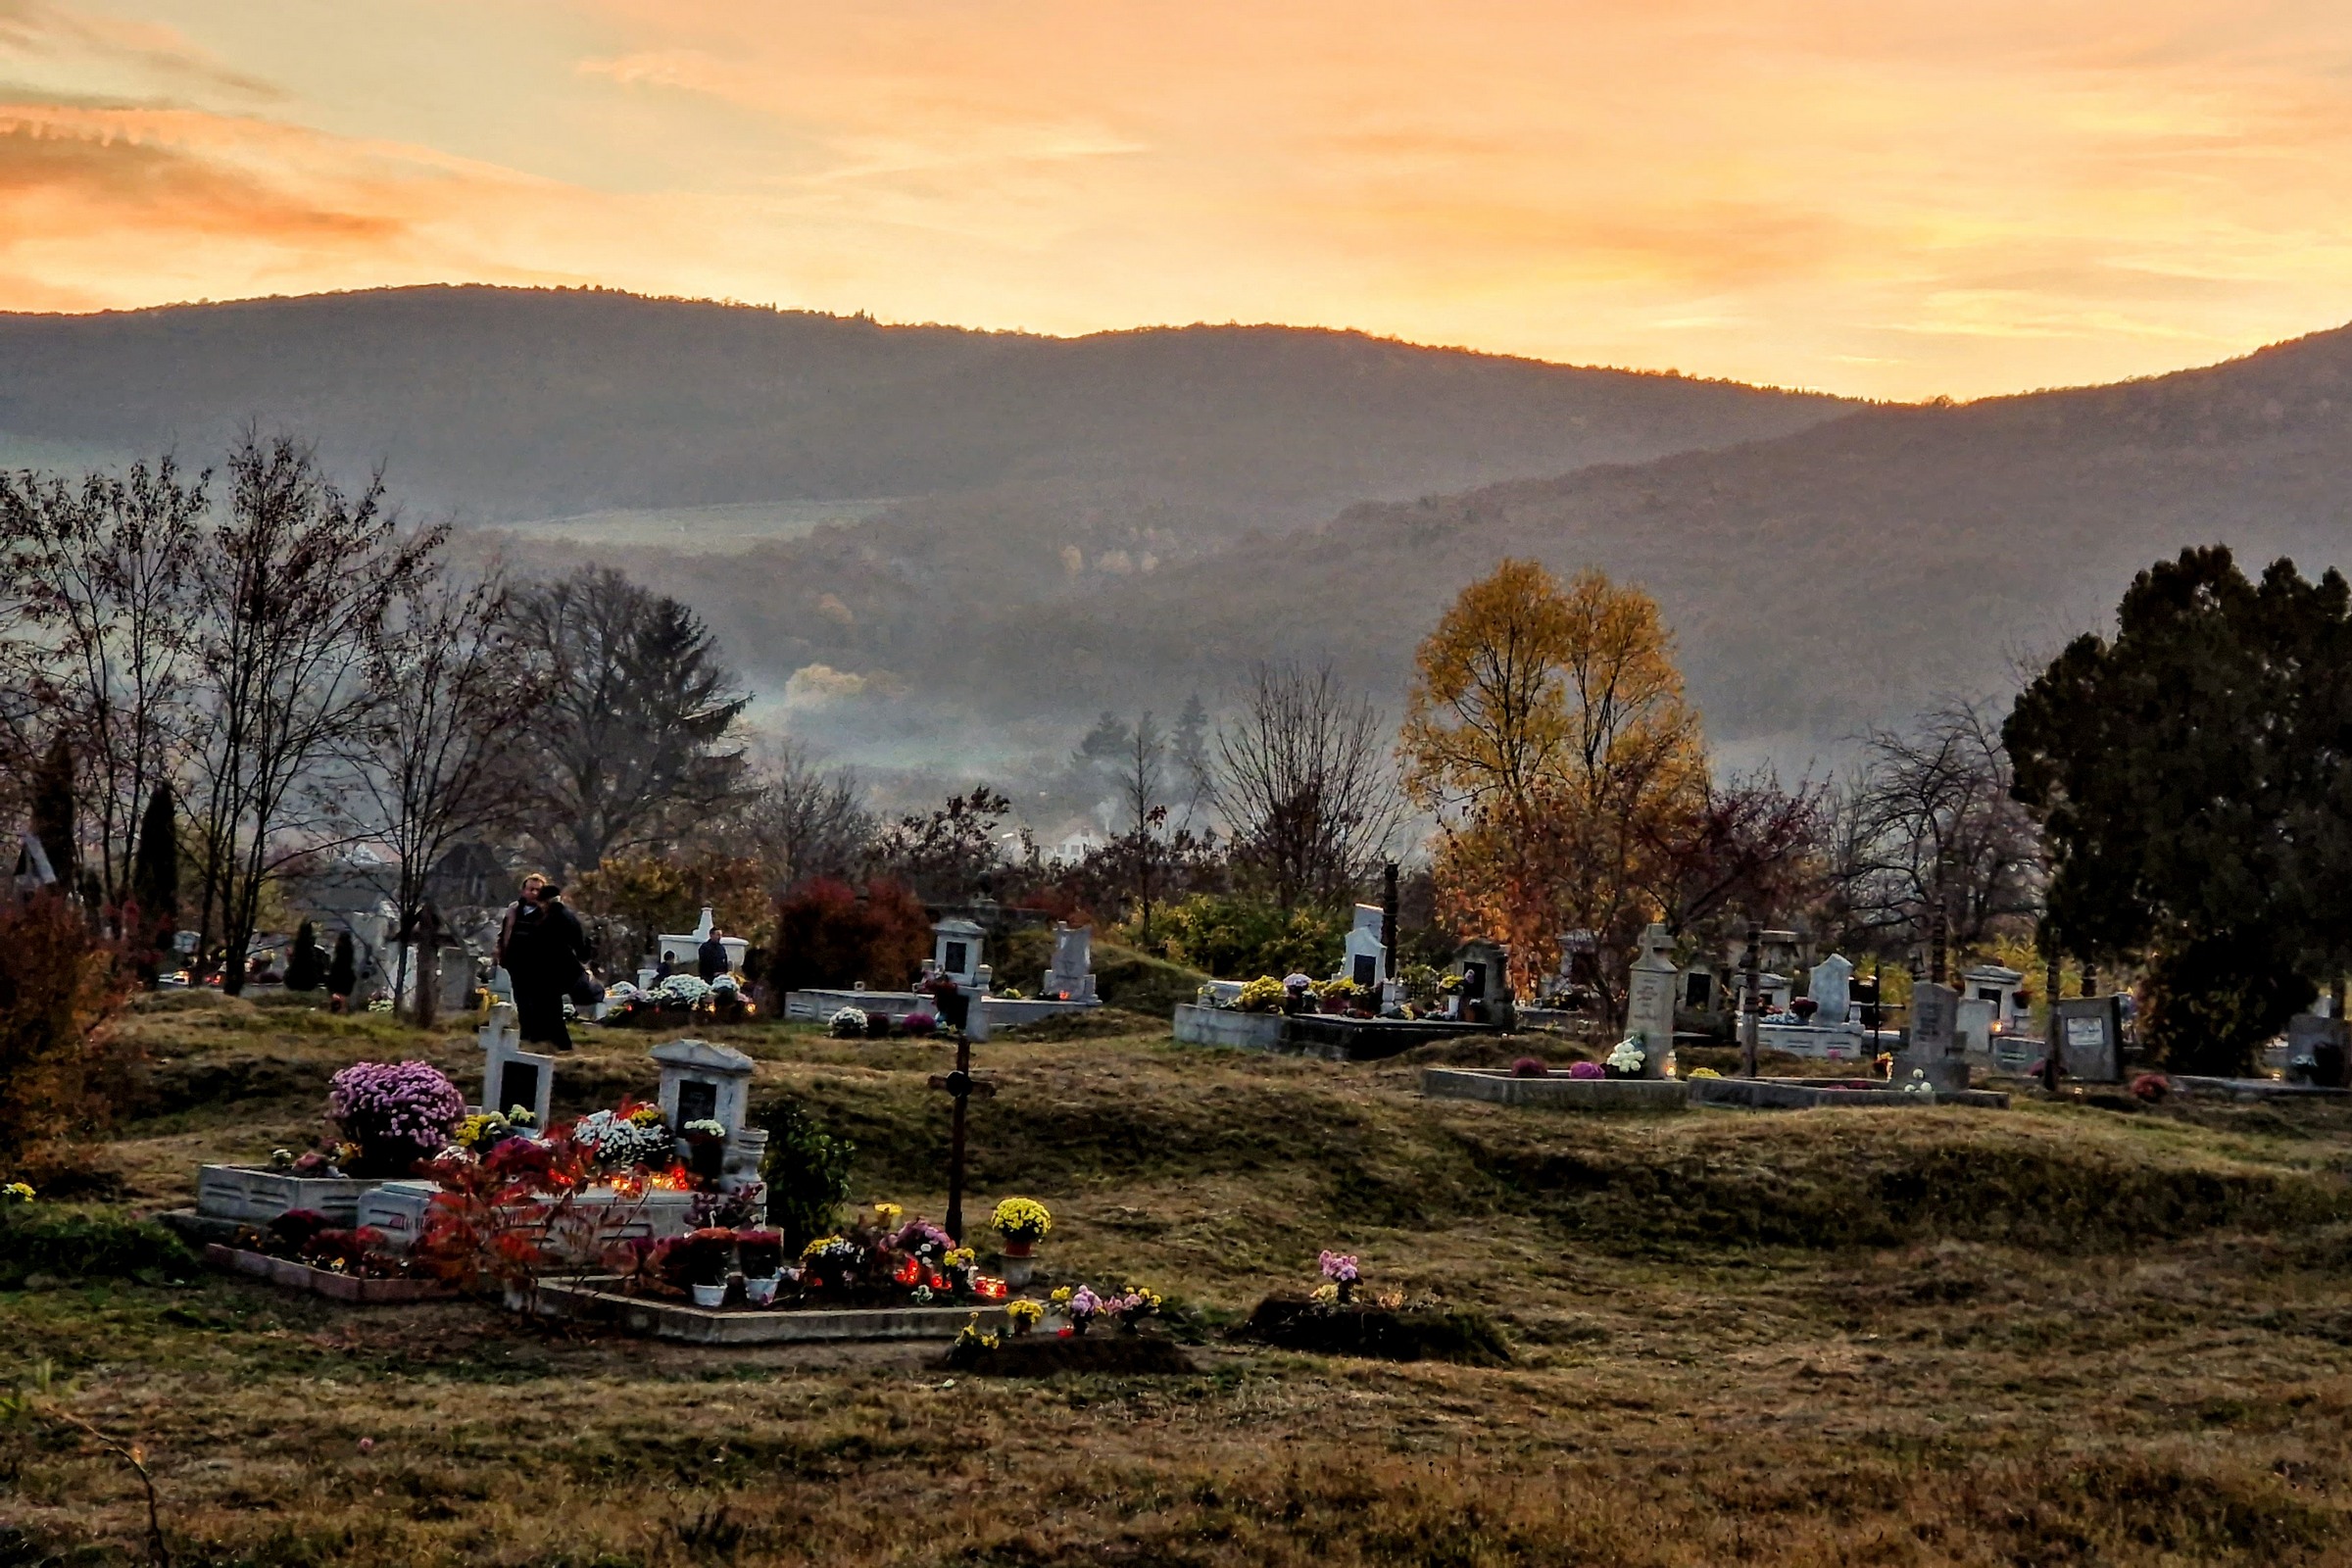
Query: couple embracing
(544, 950)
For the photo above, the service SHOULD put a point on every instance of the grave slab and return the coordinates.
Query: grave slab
(1554, 1089)
(594, 1299)
(1797, 1094)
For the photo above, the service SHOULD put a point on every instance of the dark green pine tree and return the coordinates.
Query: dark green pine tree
(53, 812)
(155, 865)
(306, 966)
(343, 974)
(2191, 775)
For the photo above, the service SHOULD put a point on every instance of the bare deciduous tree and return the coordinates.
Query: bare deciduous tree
(102, 579)
(1927, 824)
(1305, 787)
(807, 821)
(294, 586)
(434, 757)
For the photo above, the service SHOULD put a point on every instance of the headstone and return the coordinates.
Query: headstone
(703, 1082)
(1972, 1024)
(2315, 1050)
(975, 1014)
(955, 950)
(1072, 976)
(2090, 1039)
(1649, 1000)
(1831, 988)
(1935, 1044)
(511, 1075)
(1365, 962)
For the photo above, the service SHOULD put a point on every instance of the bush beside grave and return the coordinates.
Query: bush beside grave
(70, 1242)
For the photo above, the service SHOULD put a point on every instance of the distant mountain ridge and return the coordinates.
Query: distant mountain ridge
(1121, 520)
(522, 403)
(1840, 575)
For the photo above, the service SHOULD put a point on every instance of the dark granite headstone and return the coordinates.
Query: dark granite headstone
(518, 1085)
(1367, 970)
(2090, 1039)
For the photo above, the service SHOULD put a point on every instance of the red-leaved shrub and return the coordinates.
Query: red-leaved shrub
(829, 939)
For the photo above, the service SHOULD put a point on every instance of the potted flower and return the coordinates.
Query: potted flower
(1132, 1306)
(1024, 1316)
(1626, 1061)
(1022, 1222)
(1340, 1269)
(847, 1024)
(1587, 1069)
(919, 1023)
(700, 1260)
(1080, 1305)
(1804, 1007)
(760, 1252)
(399, 1114)
(706, 1146)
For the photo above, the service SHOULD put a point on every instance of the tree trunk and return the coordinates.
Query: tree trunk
(428, 964)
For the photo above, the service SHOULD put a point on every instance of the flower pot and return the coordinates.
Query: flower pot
(762, 1292)
(1021, 1270)
(709, 1294)
(1018, 1249)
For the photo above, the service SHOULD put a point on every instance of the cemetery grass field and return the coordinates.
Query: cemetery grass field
(2059, 1334)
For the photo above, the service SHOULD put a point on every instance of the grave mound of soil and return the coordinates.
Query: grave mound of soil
(1387, 1334)
(1041, 1355)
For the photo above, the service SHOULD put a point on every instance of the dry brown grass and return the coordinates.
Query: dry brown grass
(2059, 1335)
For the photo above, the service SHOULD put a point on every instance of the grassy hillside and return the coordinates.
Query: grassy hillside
(2053, 1335)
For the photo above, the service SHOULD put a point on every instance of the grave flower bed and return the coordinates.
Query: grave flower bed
(1337, 1321)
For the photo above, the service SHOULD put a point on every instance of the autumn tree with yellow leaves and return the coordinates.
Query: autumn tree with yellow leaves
(1547, 732)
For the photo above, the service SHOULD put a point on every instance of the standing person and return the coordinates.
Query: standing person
(342, 974)
(523, 911)
(550, 953)
(710, 959)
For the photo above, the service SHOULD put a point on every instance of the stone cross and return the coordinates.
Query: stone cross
(1649, 1000)
(960, 1086)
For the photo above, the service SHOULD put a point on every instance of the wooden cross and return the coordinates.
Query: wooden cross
(962, 1085)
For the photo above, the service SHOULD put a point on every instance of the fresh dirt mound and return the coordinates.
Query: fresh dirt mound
(1387, 1334)
(1042, 1355)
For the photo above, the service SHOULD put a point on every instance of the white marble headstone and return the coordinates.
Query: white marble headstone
(1831, 985)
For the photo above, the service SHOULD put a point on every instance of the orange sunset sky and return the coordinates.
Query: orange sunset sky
(1879, 197)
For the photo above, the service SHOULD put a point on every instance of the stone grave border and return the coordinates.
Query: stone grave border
(1324, 1034)
(590, 1299)
(1497, 1085)
(1798, 1094)
(352, 1289)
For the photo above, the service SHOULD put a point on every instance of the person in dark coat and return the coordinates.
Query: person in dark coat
(710, 959)
(546, 956)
